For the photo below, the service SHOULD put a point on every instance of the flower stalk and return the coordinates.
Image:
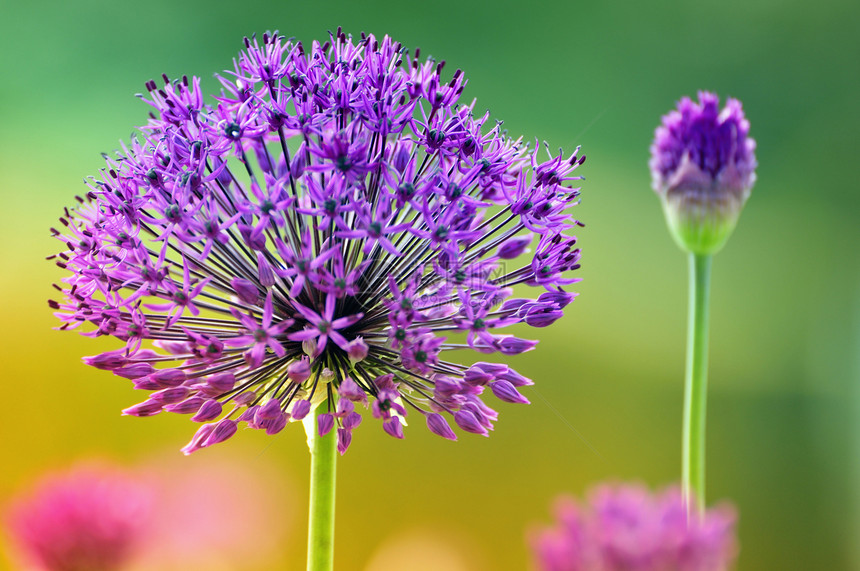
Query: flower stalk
(321, 512)
(702, 168)
(696, 384)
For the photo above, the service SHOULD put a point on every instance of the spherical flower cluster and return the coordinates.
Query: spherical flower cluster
(625, 528)
(703, 167)
(320, 234)
(90, 519)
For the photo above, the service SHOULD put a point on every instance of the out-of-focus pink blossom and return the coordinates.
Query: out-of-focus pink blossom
(90, 519)
(626, 528)
(206, 513)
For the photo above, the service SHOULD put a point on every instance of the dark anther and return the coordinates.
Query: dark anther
(342, 163)
(406, 191)
(469, 146)
(173, 213)
(233, 131)
(435, 138)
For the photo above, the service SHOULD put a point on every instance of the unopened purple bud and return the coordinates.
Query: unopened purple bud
(147, 384)
(437, 424)
(135, 371)
(385, 382)
(107, 361)
(187, 406)
(515, 378)
(277, 424)
(349, 389)
(221, 382)
(249, 415)
(223, 175)
(265, 271)
(446, 387)
(223, 430)
(514, 247)
(482, 412)
(299, 371)
(476, 377)
(170, 396)
(245, 398)
(325, 422)
(561, 298)
(357, 350)
(168, 377)
(270, 410)
(703, 168)
(146, 408)
(494, 369)
(245, 290)
(515, 345)
(344, 407)
(174, 347)
(344, 438)
(301, 409)
(209, 410)
(298, 164)
(543, 318)
(514, 304)
(393, 427)
(262, 158)
(197, 442)
(401, 157)
(351, 420)
(506, 392)
(469, 422)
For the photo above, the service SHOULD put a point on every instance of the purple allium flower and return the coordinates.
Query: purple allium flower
(315, 235)
(703, 167)
(90, 519)
(626, 528)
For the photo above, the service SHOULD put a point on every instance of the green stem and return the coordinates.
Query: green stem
(321, 514)
(696, 383)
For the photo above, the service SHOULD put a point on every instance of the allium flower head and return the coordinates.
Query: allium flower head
(322, 232)
(625, 528)
(703, 167)
(88, 520)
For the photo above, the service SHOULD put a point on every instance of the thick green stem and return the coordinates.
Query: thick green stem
(321, 514)
(696, 383)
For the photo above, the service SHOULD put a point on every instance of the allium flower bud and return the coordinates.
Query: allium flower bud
(703, 168)
(299, 371)
(325, 422)
(356, 350)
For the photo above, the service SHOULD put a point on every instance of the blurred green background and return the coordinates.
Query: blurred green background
(785, 352)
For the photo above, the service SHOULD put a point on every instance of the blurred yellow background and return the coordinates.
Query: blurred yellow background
(785, 331)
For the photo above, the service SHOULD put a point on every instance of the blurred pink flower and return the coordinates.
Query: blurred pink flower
(90, 519)
(209, 513)
(625, 528)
